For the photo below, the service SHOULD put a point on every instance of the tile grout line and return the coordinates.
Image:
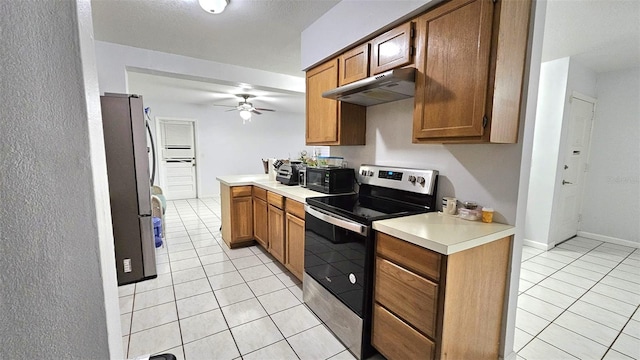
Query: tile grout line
(566, 308)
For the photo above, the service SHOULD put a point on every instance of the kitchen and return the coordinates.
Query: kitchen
(467, 166)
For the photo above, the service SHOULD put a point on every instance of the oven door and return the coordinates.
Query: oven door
(336, 256)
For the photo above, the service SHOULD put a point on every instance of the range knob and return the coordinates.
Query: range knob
(421, 180)
(412, 179)
(369, 173)
(363, 172)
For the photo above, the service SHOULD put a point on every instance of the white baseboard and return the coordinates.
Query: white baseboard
(538, 245)
(608, 239)
(511, 356)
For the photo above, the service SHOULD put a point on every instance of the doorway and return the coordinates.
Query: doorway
(177, 157)
(575, 154)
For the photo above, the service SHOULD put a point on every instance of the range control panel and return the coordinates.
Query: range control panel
(414, 180)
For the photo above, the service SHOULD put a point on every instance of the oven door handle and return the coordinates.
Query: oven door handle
(338, 221)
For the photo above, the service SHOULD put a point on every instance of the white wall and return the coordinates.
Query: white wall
(558, 81)
(612, 192)
(113, 61)
(485, 173)
(546, 146)
(227, 147)
(52, 212)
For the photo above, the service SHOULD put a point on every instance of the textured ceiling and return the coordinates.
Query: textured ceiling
(259, 34)
(603, 35)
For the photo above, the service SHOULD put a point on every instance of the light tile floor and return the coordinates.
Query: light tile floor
(578, 300)
(209, 302)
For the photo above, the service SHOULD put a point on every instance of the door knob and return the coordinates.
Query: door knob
(566, 182)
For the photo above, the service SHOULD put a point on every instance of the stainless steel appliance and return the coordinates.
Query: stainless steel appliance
(330, 180)
(339, 246)
(288, 173)
(129, 187)
(393, 85)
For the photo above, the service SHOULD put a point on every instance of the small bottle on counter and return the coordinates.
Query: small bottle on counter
(487, 214)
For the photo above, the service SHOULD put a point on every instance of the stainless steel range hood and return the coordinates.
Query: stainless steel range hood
(393, 85)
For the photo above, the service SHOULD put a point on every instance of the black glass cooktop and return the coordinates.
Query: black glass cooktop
(364, 209)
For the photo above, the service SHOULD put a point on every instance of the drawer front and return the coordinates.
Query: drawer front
(275, 200)
(295, 208)
(260, 193)
(238, 191)
(417, 259)
(411, 297)
(396, 340)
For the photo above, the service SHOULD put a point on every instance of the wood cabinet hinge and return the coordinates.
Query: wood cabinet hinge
(412, 32)
(485, 121)
(411, 50)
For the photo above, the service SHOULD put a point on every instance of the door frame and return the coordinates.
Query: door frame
(160, 168)
(554, 224)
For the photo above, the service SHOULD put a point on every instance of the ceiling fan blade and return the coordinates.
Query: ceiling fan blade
(262, 109)
(225, 105)
(231, 110)
(256, 112)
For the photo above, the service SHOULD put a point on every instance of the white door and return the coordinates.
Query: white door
(178, 158)
(575, 167)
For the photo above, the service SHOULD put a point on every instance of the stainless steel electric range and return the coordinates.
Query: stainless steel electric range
(339, 246)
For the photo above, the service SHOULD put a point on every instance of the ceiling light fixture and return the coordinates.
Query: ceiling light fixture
(213, 6)
(245, 115)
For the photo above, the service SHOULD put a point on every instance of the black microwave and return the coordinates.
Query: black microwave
(329, 180)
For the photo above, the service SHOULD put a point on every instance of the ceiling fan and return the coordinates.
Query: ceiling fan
(246, 108)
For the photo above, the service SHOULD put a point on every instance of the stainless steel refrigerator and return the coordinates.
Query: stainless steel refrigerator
(129, 187)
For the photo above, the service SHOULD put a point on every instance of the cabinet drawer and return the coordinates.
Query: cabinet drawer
(238, 191)
(397, 340)
(417, 259)
(275, 200)
(411, 297)
(294, 207)
(260, 193)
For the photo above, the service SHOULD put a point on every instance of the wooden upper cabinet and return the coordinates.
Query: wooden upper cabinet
(354, 65)
(330, 122)
(454, 50)
(470, 59)
(392, 49)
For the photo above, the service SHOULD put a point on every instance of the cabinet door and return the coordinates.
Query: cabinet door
(260, 221)
(295, 245)
(241, 219)
(392, 49)
(454, 45)
(354, 64)
(322, 114)
(276, 233)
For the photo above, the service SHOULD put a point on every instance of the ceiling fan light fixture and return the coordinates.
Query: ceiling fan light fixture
(245, 115)
(213, 6)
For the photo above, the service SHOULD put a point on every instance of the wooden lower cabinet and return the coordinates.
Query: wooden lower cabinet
(260, 217)
(276, 233)
(432, 306)
(237, 215)
(295, 245)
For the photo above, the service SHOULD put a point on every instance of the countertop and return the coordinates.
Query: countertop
(295, 192)
(441, 233)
